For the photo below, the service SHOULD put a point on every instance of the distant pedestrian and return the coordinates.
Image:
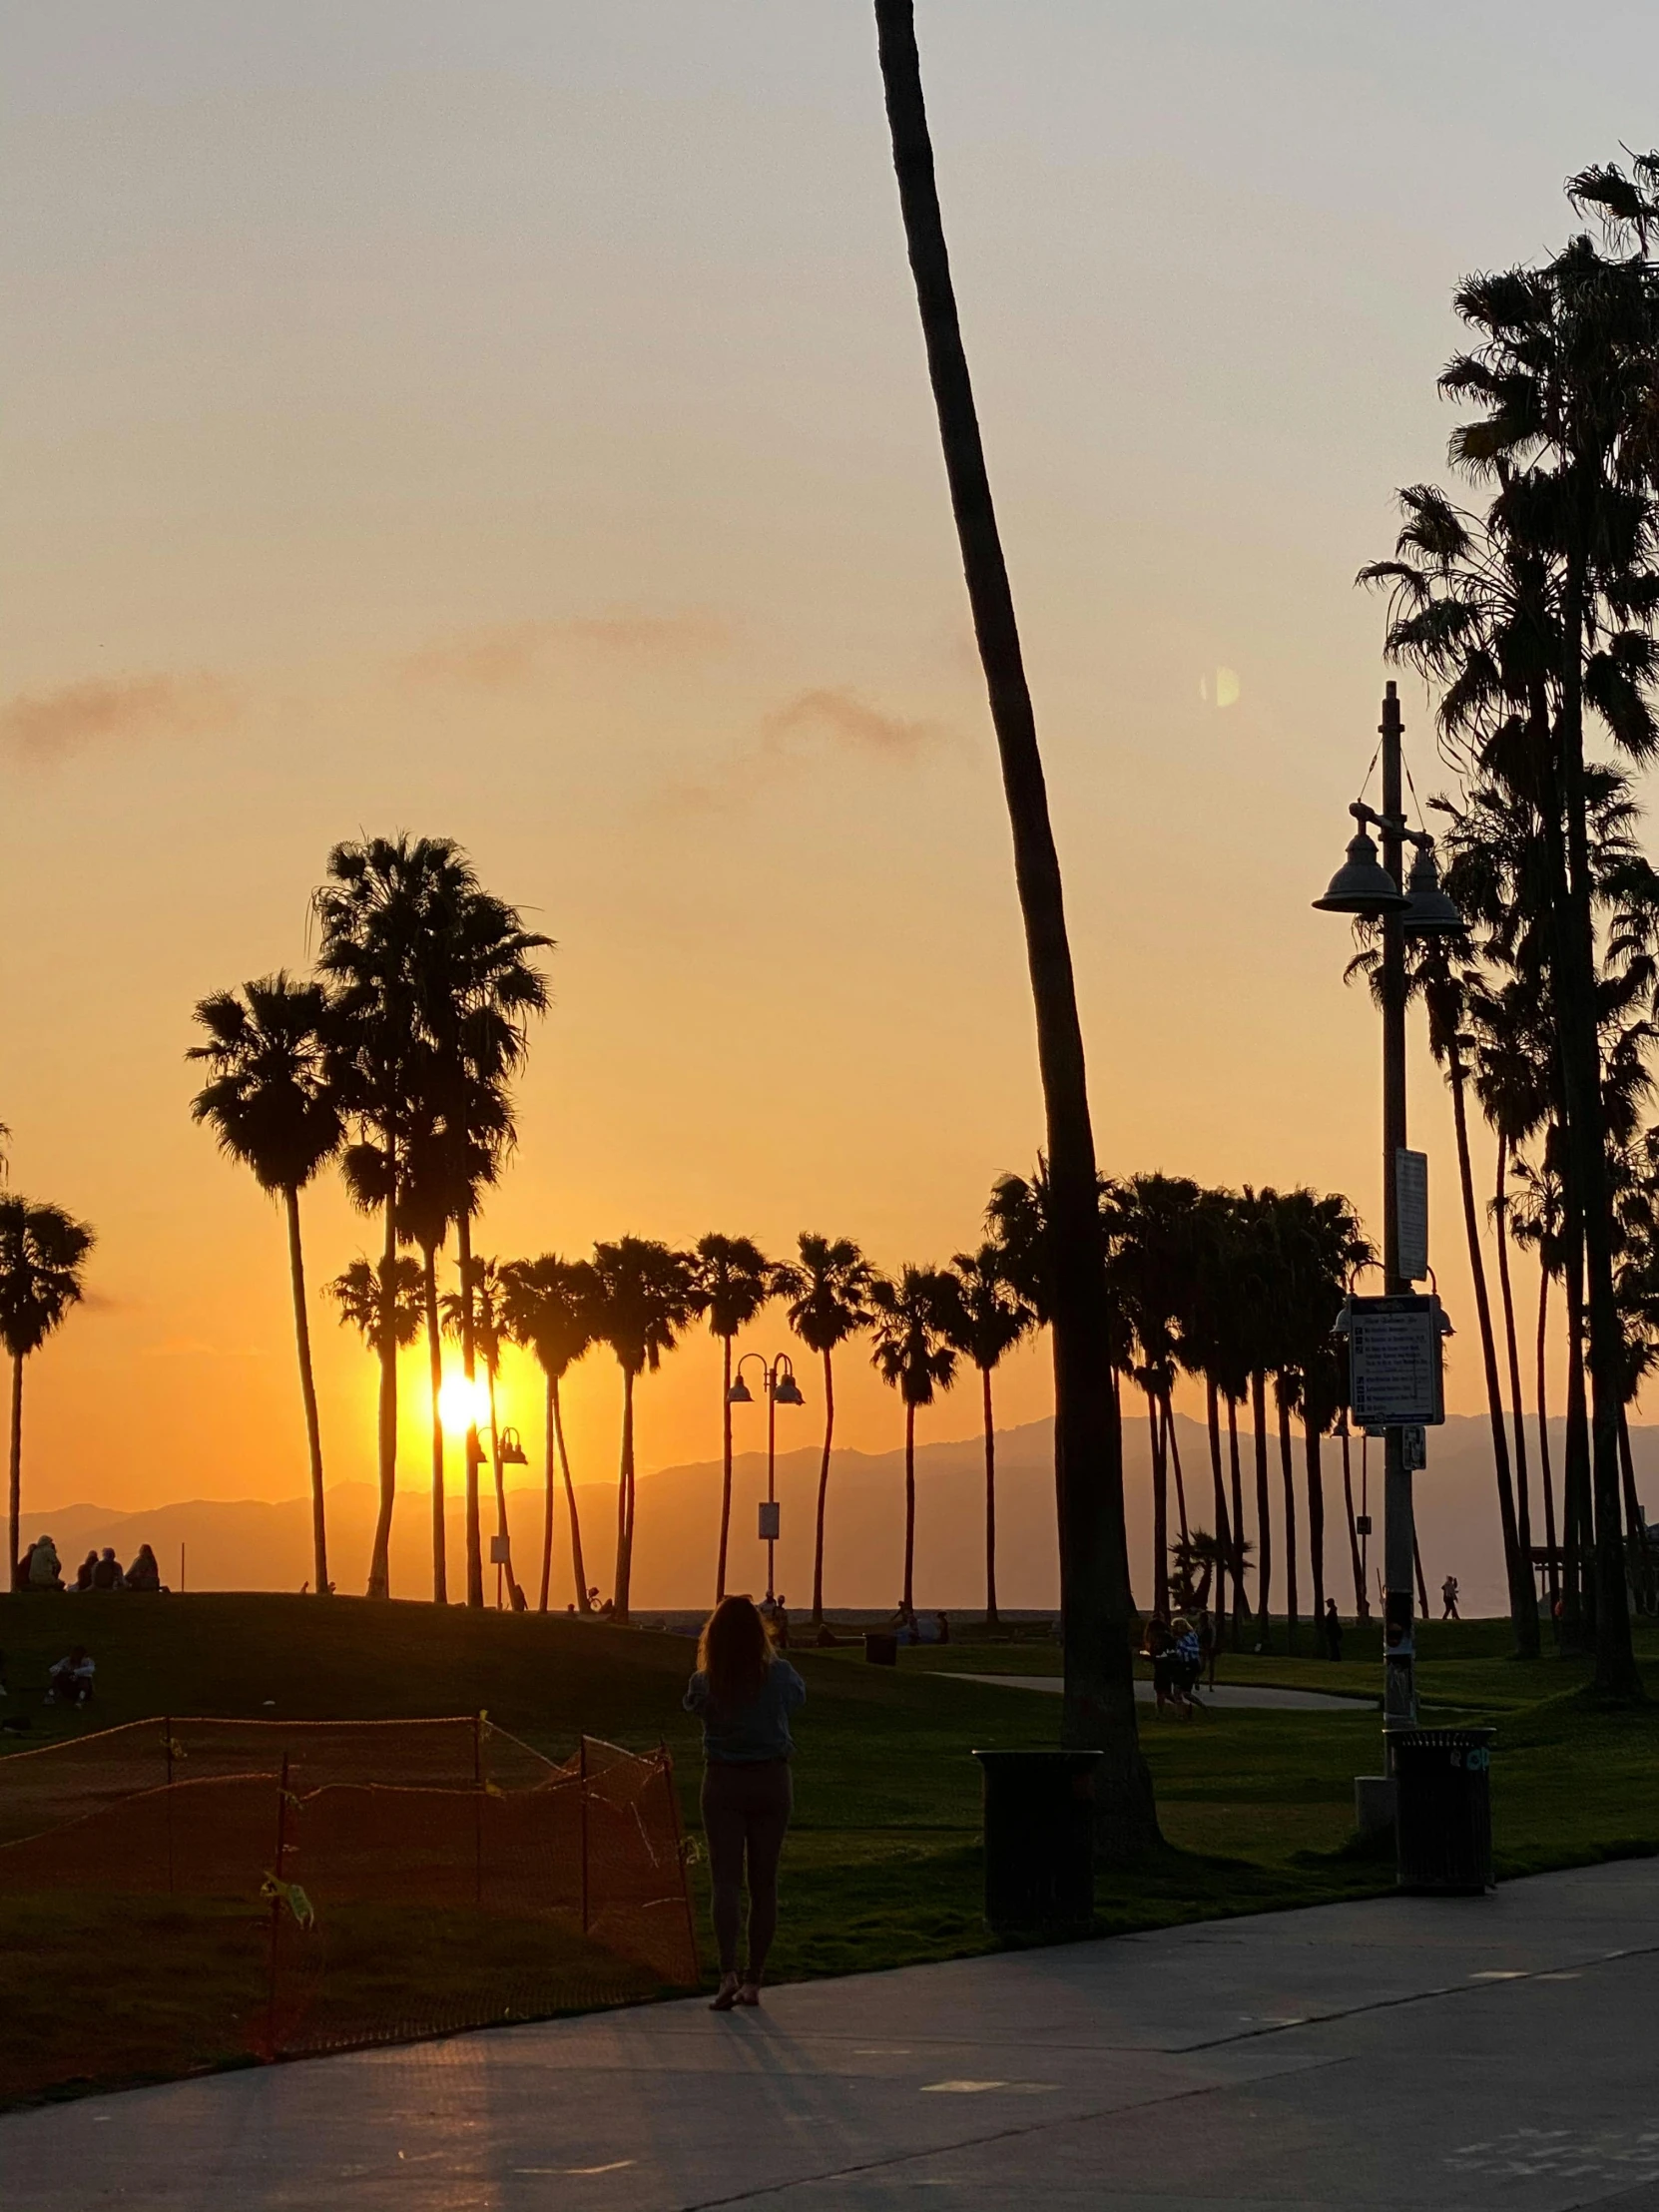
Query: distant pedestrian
(1331, 1626)
(1208, 1643)
(1448, 1598)
(744, 1692)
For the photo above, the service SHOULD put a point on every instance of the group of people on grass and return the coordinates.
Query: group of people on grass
(40, 1568)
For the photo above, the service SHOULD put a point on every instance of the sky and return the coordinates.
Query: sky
(510, 422)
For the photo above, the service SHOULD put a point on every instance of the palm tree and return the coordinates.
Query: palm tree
(1155, 1242)
(918, 1323)
(994, 1318)
(360, 1295)
(42, 1253)
(431, 984)
(1098, 1711)
(644, 1296)
(734, 1280)
(480, 1304)
(270, 1103)
(425, 1207)
(548, 1306)
(829, 1293)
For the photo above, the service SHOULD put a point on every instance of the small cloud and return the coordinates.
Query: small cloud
(43, 728)
(841, 719)
(506, 655)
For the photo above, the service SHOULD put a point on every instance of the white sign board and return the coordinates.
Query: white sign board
(771, 1514)
(1411, 1212)
(1394, 1347)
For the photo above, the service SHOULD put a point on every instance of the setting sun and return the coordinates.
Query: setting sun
(461, 1404)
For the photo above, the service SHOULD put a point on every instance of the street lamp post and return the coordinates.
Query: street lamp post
(1415, 908)
(780, 1389)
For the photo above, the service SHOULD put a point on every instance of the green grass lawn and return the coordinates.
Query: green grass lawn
(883, 1866)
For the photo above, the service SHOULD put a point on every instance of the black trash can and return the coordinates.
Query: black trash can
(1039, 1840)
(880, 1647)
(1444, 1810)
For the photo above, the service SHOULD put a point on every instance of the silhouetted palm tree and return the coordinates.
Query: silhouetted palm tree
(360, 1297)
(994, 1318)
(426, 1206)
(271, 1106)
(733, 1280)
(1098, 1712)
(828, 1294)
(42, 1253)
(549, 1307)
(918, 1323)
(644, 1298)
(480, 1304)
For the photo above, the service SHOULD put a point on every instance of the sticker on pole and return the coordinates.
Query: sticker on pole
(1394, 1360)
(1411, 1212)
(771, 1512)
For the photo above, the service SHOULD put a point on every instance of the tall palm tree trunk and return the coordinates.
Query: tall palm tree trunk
(1542, 1352)
(1098, 1709)
(991, 1620)
(474, 1451)
(1579, 1621)
(308, 1392)
(434, 1368)
(1173, 1451)
(547, 1502)
(1635, 1525)
(910, 1502)
(1241, 1604)
(1224, 1525)
(578, 1565)
(1160, 1505)
(1523, 1500)
(499, 1469)
(1264, 1524)
(14, 1496)
(625, 1504)
(1313, 1476)
(1361, 1603)
(1523, 1611)
(726, 1465)
(824, 1487)
(1286, 1470)
(380, 1561)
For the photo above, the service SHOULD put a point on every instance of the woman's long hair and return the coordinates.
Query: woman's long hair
(734, 1652)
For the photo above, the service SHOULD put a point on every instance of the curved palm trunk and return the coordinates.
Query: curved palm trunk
(625, 1502)
(14, 1501)
(991, 1620)
(308, 1392)
(379, 1562)
(1264, 1523)
(434, 1371)
(1523, 1611)
(1361, 1603)
(1286, 1469)
(547, 1502)
(474, 1451)
(499, 1469)
(1160, 1506)
(1098, 1710)
(1523, 1500)
(726, 1466)
(578, 1565)
(910, 1502)
(1634, 1524)
(824, 1489)
(1544, 1475)
(1315, 1478)
(1173, 1451)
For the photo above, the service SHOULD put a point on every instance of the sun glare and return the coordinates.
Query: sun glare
(460, 1402)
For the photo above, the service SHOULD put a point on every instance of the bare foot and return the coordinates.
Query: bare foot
(750, 1993)
(730, 1994)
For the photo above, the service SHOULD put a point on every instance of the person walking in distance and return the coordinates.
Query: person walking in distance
(744, 1692)
(1448, 1598)
(1333, 1628)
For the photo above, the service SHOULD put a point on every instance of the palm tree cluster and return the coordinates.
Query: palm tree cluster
(43, 1255)
(1532, 614)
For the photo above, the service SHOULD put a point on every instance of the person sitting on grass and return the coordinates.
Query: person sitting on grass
(107, 1575)
(143, 1574)
(83, 1572)
(744, 1693)
(45, 1573)
(69, 1681)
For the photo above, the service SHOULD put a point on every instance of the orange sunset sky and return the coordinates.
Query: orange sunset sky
(509, 421)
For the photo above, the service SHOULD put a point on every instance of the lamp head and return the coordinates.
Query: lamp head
(1363, 886)
(739, 1394)
(513, 1454)
(786, 1390)
(1430, 913)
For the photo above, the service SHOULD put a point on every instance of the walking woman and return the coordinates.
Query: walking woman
(744, 1692)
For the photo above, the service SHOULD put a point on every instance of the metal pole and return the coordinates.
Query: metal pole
(771, 1461)
(1399, 1696)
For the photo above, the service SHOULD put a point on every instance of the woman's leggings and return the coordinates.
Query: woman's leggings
(745, 1812)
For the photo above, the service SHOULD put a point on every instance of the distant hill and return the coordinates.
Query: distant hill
(250, 1544)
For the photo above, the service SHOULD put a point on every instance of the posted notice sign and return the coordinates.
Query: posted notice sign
(1393, 1354)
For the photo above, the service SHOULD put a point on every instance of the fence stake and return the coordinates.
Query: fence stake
(276, 1905)
(584, 1806)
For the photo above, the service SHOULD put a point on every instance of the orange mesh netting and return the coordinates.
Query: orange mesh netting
(280, 1888)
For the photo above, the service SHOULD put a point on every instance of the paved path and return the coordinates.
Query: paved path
(1487, 2054)
(1224, 1695)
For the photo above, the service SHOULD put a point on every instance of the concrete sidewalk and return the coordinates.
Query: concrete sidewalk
(1477, 2052)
